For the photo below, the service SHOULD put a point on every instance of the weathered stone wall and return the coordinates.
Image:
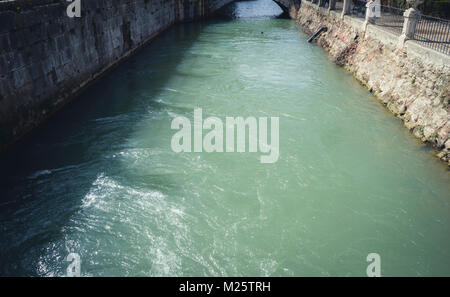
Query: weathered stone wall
(46, 57)
(413, 82)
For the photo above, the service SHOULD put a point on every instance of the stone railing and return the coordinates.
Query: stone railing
(410, 79)
(407, 25)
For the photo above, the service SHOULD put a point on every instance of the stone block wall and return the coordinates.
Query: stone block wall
(46, 57)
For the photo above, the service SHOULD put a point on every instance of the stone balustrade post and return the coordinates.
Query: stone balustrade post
(346, 8)
(411, 17)
(409, 25)
(370, 13)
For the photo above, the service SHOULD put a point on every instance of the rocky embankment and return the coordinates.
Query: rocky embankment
(412, 82)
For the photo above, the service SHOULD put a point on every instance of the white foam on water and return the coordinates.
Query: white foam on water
(101, 188)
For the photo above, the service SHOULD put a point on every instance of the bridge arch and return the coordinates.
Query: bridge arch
(289, 7)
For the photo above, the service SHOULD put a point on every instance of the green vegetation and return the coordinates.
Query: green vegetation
(421, 130)
(436, 8)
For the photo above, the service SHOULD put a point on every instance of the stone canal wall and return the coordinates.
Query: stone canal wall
(413, 82)
(47, 57)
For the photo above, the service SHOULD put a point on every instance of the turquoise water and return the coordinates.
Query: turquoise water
(100, 178)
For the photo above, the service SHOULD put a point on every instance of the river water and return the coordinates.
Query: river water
(100, 178)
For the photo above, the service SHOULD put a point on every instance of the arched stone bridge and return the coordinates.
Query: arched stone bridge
(288, 6)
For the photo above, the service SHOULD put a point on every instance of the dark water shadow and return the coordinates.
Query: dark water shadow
(45, 178)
